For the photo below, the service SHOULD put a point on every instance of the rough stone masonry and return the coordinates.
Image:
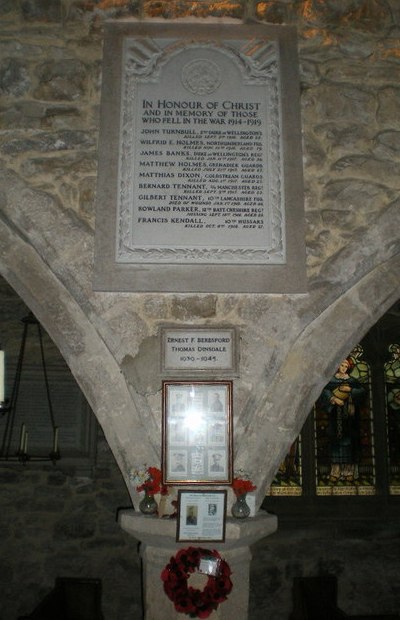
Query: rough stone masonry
(50, 75)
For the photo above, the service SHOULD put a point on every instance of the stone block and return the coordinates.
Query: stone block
(41, 10)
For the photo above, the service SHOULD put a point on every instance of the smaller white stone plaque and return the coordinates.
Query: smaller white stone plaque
(201, 349)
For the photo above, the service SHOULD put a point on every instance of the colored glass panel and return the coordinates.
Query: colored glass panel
(344, 441)
(288, 480)
(392, 385)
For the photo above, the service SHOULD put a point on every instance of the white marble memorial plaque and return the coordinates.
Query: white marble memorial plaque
(200, 167)
(202, 181)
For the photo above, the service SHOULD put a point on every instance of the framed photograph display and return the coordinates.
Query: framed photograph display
(197, 432)
(201, 516)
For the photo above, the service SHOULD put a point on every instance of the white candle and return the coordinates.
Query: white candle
(2, 376)
(26, 443)
(55, 445)
(22, 438)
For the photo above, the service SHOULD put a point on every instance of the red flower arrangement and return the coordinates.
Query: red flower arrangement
(241, 486)
(153, 484)
(192, 601)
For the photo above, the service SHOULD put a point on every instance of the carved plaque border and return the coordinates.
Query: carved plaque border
(264, 54)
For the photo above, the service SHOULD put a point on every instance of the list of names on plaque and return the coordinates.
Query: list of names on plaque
(200, 165)
(204, 182)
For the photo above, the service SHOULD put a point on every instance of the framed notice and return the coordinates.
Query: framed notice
(201, 516)
(197, 432)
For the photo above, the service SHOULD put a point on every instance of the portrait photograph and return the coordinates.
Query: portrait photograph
(216, 462)
(179, 462)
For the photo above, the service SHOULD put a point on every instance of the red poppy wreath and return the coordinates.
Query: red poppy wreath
(191, 601)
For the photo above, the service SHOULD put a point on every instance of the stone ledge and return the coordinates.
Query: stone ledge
(162, 532)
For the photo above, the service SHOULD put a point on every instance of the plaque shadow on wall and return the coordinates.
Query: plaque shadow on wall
(200, 185)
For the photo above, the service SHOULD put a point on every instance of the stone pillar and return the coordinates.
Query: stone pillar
(158, 544)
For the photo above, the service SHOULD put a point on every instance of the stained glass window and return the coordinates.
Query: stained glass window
(288, 480)
(344, 441)
(392, 391)
(350, 443)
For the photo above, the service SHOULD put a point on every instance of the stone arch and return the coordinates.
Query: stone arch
(310, 363)
(25, 266)
(47, 256)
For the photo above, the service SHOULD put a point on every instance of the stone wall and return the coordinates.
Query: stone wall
(58, 522)
(55, 522)
(50, 76)
(362, 553)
